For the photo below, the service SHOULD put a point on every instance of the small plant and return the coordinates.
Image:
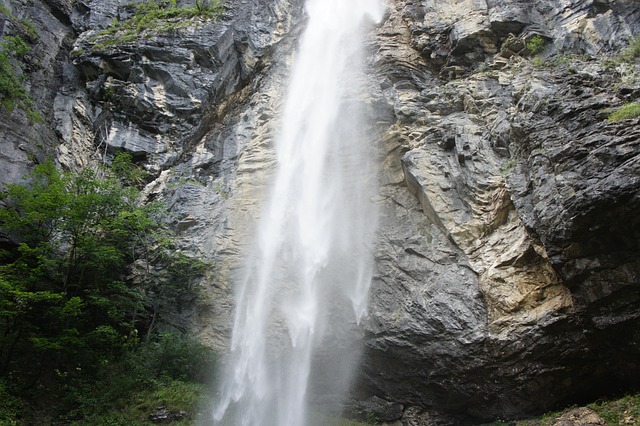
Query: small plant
(371, 419)
(25, 25)
(537, 62)
(507, 167)
(30, 29)
(536, 44)
(632, 51)
(209, 6)
(628, 111)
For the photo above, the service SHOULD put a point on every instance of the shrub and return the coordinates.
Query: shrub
(170, 370)
(507, 167)
(536, 44)
(172, 356)
(10, 405)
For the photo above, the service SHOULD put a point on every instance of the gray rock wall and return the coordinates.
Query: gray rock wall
(509, 199)
(22, 142)
(507, 262)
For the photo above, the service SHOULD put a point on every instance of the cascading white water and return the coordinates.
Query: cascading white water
(308, 278)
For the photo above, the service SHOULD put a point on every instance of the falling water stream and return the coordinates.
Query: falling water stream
(306, 282)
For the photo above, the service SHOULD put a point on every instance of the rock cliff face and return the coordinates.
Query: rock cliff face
(511, 292)
(507, 264)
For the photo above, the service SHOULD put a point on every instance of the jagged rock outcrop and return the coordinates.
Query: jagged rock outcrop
(507, 263)
(504, 301)
(24, 141)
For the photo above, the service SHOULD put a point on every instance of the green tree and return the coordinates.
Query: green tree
(68, 304)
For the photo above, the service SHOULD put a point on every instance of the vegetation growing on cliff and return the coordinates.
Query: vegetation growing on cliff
(625, 112)
(13, 50)
(155, 15)
(632, 51)
(72, 307)
(536, 44)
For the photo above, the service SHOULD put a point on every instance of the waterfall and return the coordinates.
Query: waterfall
(306, 282)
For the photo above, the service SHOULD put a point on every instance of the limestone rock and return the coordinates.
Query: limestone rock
(582, 416)
(376, 408)
(504, 216)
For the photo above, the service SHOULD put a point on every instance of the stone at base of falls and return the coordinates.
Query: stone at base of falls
(163, 415)
(582, 416)
(375, 408)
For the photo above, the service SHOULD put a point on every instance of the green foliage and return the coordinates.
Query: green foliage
(169, 371)
(625, 410)
(507, 167)
(128, 174)
(30, 29)
(13, 50)
(632, 51)
(174, 396)
(536, 44)
(628, 111)
(24, 26)
(12, 91)
(73, 311)
(67, 302)
(173, 357)
(10, 405)
(538, 62)
(157, 16)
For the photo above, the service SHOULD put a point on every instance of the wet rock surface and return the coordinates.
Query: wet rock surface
(507, 267)
(163, 415)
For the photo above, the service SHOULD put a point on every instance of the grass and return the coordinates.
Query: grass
(632, 51)
(507, 167)
(625, 112)
(621, 411)
(25, 25)
(625, 410)
(175, 396)
(156, 16)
